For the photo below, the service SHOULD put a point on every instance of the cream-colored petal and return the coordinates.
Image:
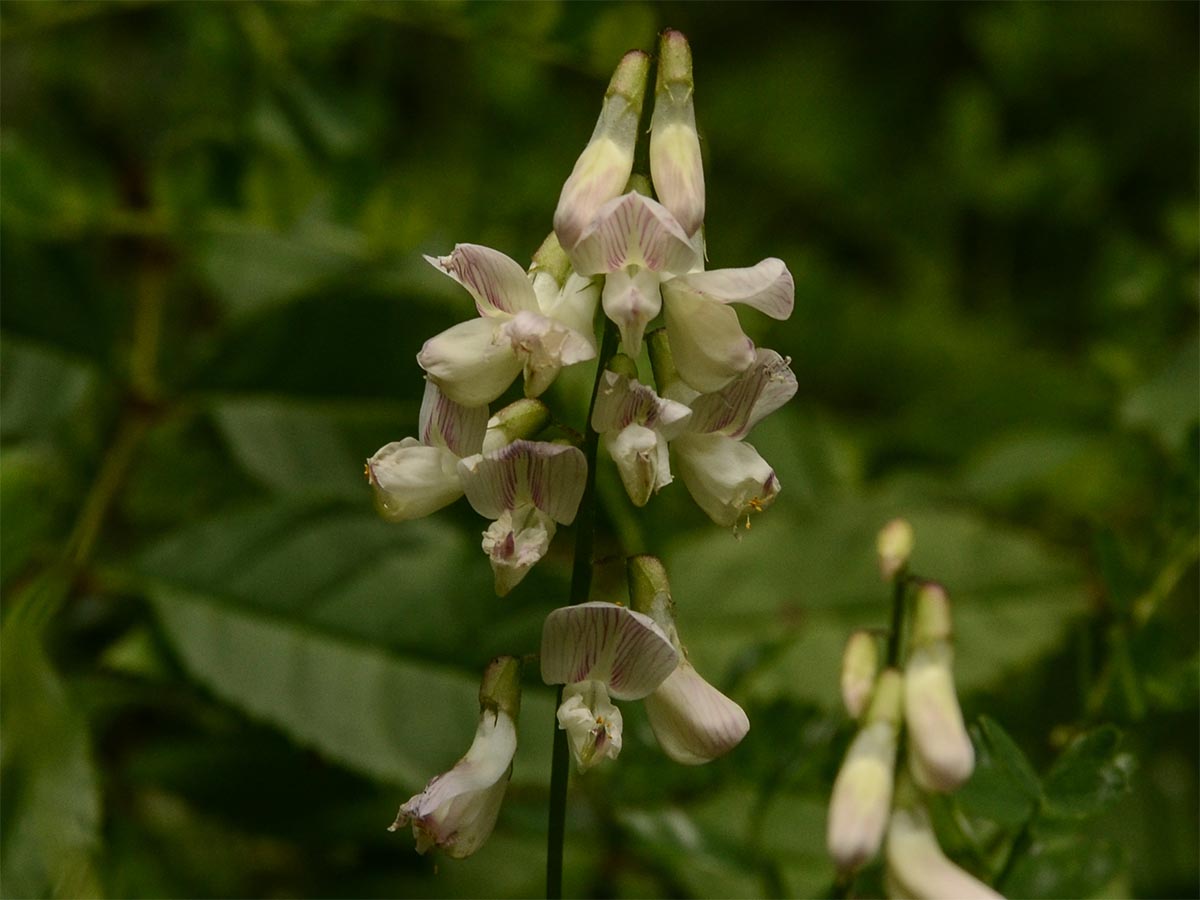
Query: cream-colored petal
(609, 643)
(917, 867)
(411, 480)
(707, 343)
(693, 721)
(862, 797)
(473, 362)
(642, 461)
(675, 163)
(726, 478)
(592, 723)
(767, 287)
(497, 284)
(544, 346)
(514, 543)
(745, 401)
(631, 299)
(937, 736)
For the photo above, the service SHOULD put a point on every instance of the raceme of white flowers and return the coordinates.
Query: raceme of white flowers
(635, 248)
(873, 805)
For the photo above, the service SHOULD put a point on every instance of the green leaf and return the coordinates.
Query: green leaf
(1004, 787)
(39, 389)
(1090, 775)
(1068, 865)
(1166, 403)
(27, 477)
(344, 631)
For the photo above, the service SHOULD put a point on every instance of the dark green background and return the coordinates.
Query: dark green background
(213, 216)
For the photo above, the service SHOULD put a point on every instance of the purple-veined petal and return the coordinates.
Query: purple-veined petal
(544, 346)
(727, 478)
(767, 287)
(473, 362)
(622, 401)
(917, 866)
(633, 230)
(707, 343)
(444, 423)
(457, 810)
(412, 480)
(693, 721)
(740, 405)
(609, 643)
(631, 300)
(548, 476)
(497, 283)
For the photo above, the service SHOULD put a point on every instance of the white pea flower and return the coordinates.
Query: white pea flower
(917, 867)
(519, 329)
(635, 425)
(725, 476)
(603, 168)
(457, 810)
(413, 478)
(675, 163)
(693, 722)
(862, 791)
(600, 650)
(527, 488)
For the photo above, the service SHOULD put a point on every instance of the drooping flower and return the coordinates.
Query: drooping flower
(413, 478)
(518, 329)
(600, 650)
(458, 809)
(635, 425)
(916, 866)
(862, 791)
(603, 169)
(693, 722)
(725, 476)
(527, 488)
(941, 755)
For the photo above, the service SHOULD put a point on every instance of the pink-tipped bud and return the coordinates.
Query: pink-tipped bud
(602, 170)
(675, 162)
(860, 663)
(894, 546)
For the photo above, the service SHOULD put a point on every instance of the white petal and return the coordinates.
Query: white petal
(642, 460)
(548, 476)
(544, 346)
(677, 170)
(631, 301)
(412, 480)
(472, 362)
(862, 797)
(741, 404)
(726, 478)
(633, 230)
(609, 643)
(622, 401)
(573, 304)
(444, 423)
(514, 543)
(707, 343)
(938, 739)
(919, 868)
(457, 810)
(494, 281)
(693, 721)
(593, 725)
(767, 287)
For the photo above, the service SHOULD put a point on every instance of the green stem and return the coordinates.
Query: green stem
(581, 585)
(899, 584)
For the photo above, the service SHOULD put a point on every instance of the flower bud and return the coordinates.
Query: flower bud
(550, 259)
(917, 867)
(458, 809)
(941, 756)
(862, 792)
(931, 617)
(520, 420)
(860, 663)
(602, 170)
(675, 162)
(894, 546)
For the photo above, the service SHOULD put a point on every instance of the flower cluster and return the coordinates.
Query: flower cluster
(635, 247)
(871, 805)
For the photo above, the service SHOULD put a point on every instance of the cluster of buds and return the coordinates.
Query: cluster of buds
(635, 247)
(873, 804)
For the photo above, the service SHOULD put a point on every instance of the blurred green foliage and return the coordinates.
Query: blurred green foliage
(222, 673)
